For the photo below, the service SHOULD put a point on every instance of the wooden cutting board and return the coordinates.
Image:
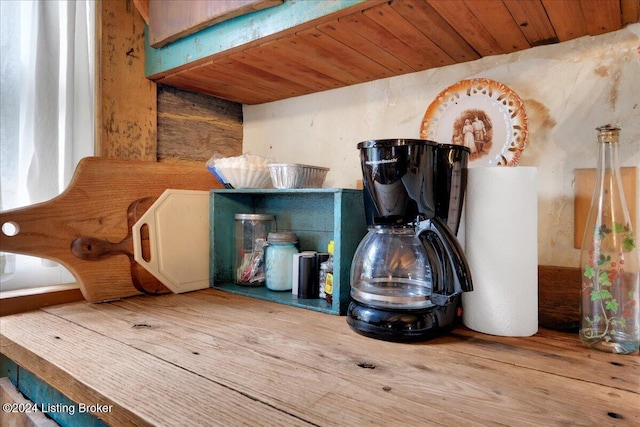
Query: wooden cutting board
(95, 204)
(91, 248)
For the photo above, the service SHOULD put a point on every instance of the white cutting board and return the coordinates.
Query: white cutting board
(178, 224)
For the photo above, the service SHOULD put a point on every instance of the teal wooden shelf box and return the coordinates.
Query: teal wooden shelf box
(315, 215)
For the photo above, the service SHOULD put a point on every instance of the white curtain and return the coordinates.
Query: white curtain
(47, 109)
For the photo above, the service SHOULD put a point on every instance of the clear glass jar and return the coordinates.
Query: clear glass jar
(280, 249)
(251, 231)
(609, 260)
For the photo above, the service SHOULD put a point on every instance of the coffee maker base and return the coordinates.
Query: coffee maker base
(403, 325)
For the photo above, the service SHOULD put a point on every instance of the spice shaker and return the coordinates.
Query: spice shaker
(326, 274)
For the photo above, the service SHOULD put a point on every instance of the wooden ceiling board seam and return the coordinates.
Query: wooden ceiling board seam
(532, 18)
(264, 79)
(206, 75)
(423, 17)
(325, 62)
(184, 83)
(219, 72)
(498, 21)
(462, 19)
(274, 69)
(299, 73)
(602, 16)
(196, 80)
(361, 24)
(351, 58)
(567, 18)
(429, 54)
(365, 46)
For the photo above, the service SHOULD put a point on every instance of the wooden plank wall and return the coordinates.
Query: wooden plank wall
(192, 126)
(137, 119)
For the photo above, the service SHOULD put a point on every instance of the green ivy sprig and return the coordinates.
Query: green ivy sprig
(600, 277)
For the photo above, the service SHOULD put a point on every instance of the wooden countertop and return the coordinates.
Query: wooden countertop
(213, 358)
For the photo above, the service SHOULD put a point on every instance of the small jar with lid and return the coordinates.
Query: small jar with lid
(281, 246)
(251, 231)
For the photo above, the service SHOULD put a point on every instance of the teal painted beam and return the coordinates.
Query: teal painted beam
(49, 400)
(8, 369)
(237, 32)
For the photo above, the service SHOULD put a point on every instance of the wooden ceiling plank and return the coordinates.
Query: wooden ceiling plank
(365, 46)
(262, 78)
(428, 55)
(567, 18)
(460, 17)
(218, 85)
(497, 20)
(299, 73)
(602, 16)
(349, 58)
(274, 70)
(234, 77)
(532, 18)
(303, 52)
(630, 11)
(214, 89)
(364, 26)
(431, 24)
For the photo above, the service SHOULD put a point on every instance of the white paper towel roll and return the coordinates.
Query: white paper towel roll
(501, 245)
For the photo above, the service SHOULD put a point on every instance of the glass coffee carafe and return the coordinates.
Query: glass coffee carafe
(393, 270)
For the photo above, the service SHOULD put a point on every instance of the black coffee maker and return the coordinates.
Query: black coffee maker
(409, 271)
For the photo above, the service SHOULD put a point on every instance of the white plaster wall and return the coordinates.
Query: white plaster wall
(569, 89)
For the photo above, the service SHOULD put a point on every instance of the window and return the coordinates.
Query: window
(47, 56)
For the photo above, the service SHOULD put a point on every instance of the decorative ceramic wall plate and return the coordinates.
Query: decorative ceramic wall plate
(481, 114)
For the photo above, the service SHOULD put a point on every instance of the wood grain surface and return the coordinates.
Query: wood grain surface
(192, 127)
(171, 20)
(559, 297)
(369, 40)
(126, 100)
(95, 205)
(213, 358)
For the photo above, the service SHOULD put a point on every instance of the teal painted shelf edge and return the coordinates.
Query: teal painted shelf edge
(237, 32)
(316, 215)
(47, 399)
(286, 297)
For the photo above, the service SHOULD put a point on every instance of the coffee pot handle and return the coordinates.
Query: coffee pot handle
(440, 237)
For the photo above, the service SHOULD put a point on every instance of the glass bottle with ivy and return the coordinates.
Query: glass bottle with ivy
(609, 261)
